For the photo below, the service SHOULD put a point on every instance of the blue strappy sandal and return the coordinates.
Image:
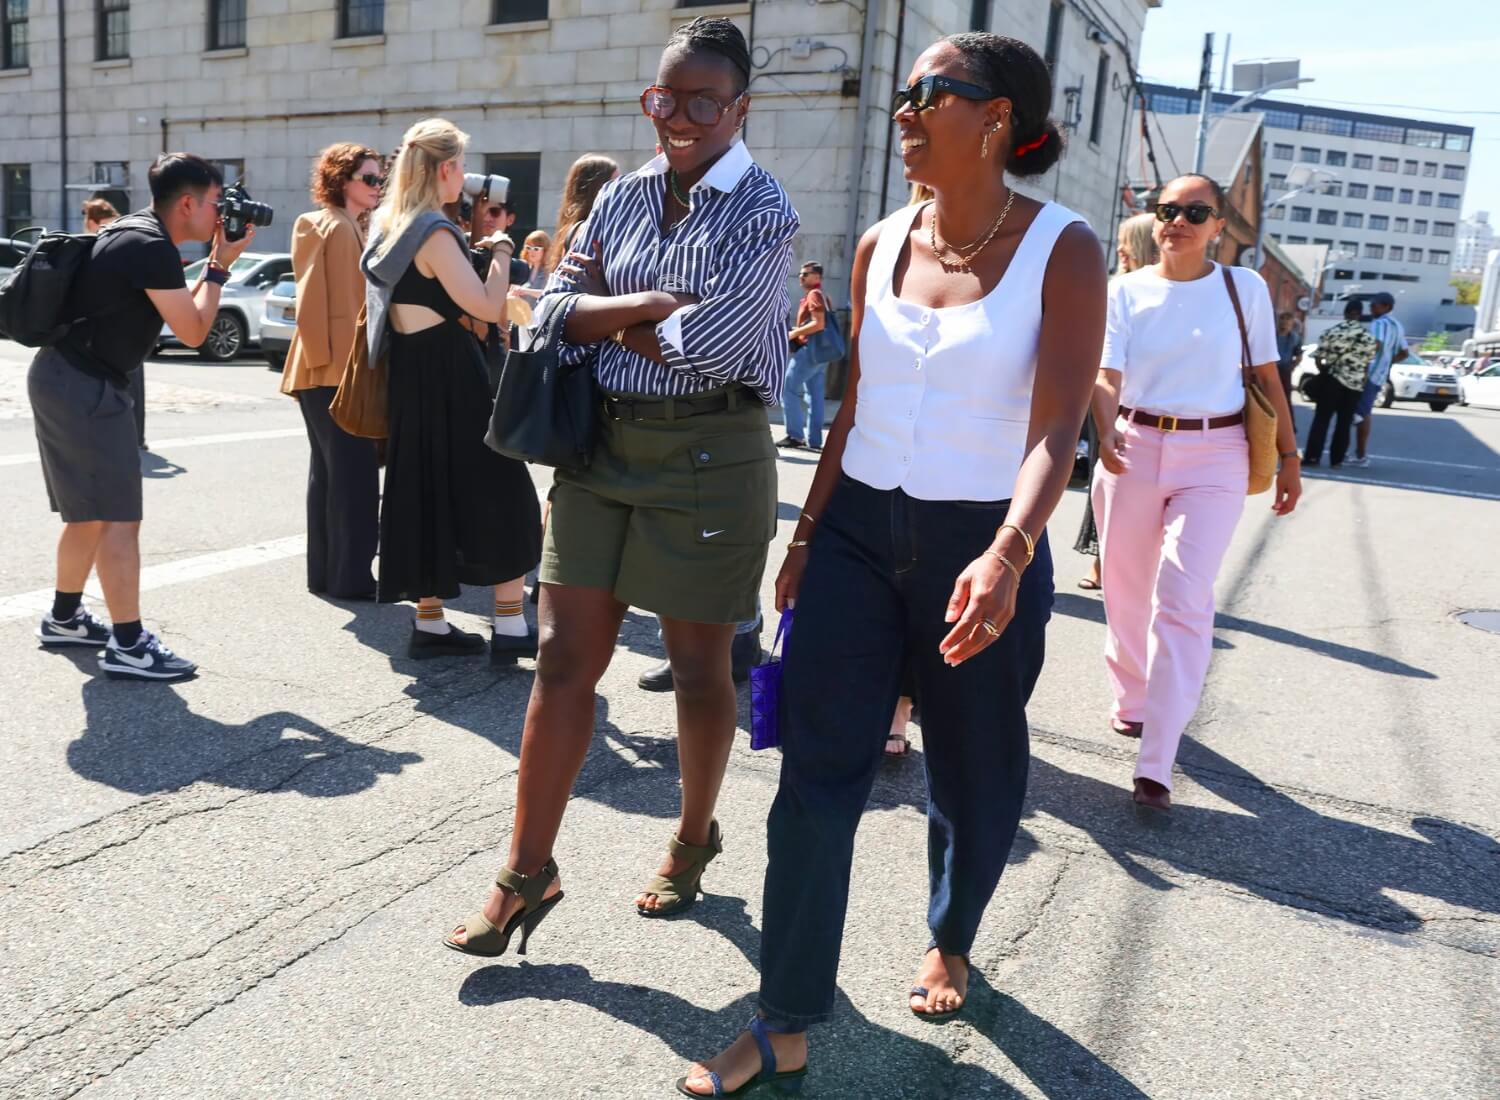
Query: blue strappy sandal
(788, 1081)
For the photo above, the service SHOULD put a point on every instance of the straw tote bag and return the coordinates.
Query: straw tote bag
(1260, 414)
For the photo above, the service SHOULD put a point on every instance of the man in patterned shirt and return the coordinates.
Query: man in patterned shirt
(1344, 356)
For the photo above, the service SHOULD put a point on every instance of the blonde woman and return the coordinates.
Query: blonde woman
(1135, 249)
(454, 511)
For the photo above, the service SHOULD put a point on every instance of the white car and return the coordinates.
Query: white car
(241, 304)
(1482, 388)
(279, 322)
(1414, 379)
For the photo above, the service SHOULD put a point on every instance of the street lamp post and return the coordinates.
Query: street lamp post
(1305, 182)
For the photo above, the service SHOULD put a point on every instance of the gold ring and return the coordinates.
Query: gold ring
(990, 628)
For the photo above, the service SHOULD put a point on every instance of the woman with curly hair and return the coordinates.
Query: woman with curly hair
(343, 495)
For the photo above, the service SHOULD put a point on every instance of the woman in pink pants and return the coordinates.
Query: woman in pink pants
(1174, 467)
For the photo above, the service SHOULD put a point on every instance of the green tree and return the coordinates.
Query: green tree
(1468, 291)
(1434, 341)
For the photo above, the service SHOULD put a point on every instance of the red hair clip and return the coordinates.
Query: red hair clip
(1032, 146)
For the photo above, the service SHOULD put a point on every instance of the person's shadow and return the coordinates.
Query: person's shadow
(159, 467)
(143, 738)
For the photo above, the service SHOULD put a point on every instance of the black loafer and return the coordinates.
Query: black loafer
(455, 643)
(505, 648)
(656, 678)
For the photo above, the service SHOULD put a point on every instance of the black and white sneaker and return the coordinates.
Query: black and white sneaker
(81, 629)
(148, 659)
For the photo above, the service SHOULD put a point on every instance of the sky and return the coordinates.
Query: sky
(1381, 56)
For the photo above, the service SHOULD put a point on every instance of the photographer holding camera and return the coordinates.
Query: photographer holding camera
(80, 398)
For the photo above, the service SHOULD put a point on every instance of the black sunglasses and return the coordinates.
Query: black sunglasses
(1196, 213)
(702, 109)
(369, 179)
(922, 94)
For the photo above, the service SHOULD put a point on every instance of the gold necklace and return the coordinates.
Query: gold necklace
(940, 248)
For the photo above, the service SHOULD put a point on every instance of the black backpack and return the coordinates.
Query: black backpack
(34, 299)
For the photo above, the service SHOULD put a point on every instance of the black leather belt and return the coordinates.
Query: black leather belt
(675, 408)
(1180, 424)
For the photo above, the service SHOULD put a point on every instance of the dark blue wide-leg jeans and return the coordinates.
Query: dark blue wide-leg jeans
(880, 574)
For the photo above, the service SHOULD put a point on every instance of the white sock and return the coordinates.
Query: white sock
(508, 620)
(430, 620)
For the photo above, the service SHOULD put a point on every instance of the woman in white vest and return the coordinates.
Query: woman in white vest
(977, 323)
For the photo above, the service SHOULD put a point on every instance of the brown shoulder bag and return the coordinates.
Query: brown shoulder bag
(1260, 414)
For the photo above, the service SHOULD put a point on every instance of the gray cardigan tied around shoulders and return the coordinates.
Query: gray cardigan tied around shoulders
(382, 275)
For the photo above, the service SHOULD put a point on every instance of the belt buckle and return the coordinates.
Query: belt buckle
(1161, 423)
(613, 404)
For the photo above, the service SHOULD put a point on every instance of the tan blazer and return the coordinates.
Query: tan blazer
(326, 245)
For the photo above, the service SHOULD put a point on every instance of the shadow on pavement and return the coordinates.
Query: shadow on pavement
(156, 466)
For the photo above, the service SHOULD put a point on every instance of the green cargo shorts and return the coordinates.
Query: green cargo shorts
(673, 516)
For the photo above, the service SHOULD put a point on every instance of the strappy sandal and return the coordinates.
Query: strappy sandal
(787, 1081)
(922, 991)
(678, 892)
(483, 938)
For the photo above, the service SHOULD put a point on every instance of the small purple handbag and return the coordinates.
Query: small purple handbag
(765, 692)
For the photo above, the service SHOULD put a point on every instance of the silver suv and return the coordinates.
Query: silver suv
(241, 304)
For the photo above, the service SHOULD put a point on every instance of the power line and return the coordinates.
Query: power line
(1398, 106)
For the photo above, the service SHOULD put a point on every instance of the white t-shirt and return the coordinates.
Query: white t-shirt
(1177, 344)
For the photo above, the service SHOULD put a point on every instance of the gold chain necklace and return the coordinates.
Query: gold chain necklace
(941, 248)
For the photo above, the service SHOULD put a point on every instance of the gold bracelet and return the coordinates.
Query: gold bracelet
(1003, 560)
(619, 337)
(1030, 545)
(798, 544)
(808, 518)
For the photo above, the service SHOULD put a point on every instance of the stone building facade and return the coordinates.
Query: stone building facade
(261, 85)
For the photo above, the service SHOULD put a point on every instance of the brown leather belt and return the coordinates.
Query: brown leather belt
(1177, 423)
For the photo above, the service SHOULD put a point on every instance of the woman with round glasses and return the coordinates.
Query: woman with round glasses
(977, 318)
(343, 477)
(676, 295)
(1174, 466)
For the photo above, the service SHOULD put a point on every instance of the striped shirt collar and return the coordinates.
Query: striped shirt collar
(725, 175)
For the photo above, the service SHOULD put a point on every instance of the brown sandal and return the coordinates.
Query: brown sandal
(484, 939)
(678, 892)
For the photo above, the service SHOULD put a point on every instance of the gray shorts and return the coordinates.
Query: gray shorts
(85, 430)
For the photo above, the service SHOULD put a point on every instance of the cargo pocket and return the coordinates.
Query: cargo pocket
(734, 477)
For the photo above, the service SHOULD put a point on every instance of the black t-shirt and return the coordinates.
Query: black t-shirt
(120, 324)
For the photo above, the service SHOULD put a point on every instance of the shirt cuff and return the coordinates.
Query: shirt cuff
(669, 332)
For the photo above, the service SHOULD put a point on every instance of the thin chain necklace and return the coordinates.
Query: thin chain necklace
(942, 249)
(676, 194)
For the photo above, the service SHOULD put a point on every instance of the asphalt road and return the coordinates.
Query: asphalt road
(236, 886)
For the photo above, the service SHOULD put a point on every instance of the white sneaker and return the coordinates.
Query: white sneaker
(1357, 462)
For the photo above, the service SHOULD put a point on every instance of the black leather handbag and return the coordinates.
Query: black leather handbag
(545, 412)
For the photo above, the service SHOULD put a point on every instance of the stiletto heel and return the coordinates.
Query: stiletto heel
(534, 918)
(484, 939)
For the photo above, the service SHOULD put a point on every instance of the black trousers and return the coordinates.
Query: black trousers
(343, 502)
(1336, 403)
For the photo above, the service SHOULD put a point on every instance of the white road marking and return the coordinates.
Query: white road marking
(1320, 475)
(1435, 462)
(161, 446)
(27, 604)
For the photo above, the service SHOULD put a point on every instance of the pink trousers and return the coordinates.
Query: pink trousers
(1164, 526)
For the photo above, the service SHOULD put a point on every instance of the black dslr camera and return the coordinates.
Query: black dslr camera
(238, 211)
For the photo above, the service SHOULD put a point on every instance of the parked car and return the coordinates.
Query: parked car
(1482, 388)
(241, 304)
(11, 253)
(1414, 379)
(279, 322)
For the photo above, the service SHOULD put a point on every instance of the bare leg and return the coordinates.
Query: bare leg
(1362, 434)
(511, 591)
(76, 549)
(706, 712)
(579, 627)
(118, 560)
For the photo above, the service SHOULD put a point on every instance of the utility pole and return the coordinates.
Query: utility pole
(1205, 97)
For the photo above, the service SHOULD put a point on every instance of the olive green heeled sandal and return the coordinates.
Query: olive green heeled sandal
(483, 938)
(674, 893)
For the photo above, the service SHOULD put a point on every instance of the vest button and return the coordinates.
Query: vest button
(704, 456)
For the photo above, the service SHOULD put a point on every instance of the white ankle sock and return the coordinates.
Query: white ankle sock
(430, 620)
(508, 620)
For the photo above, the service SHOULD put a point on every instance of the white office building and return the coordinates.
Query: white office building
(1476, 236)
(1385, 200)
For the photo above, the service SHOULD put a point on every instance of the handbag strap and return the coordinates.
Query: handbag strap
(781, 629)
(1239, 315)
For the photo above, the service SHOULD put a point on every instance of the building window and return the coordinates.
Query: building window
(1385, 194)
(1379, 131)
(1443, 229)
(1336, 158)
(1448, 201)
(1389, 164)
(1429, 168)
(1296, 240)
(358, 18)
(1359, 190)
(226, 24)
(1282, 119)
(1427, 139)
(15, 179)
(1323, 241)
(1350, 247)
(1424, 198)
(1414, 255)
(1309, 155)
(1397, 252)
(1301, 213)
(1281, 152)
(1334, 188)
(1101, 90)
(1419, 227)
(1374, 251)
(1406, 196)
(1344, 273)
(1437, 256)
(1353, 220)
(1408, 168)
(1456, 143)
(1328, 217)
(1364, 160)
(1321, 124)
(14, 29)
(1402, 225)
(1054, 36)
(1277, 213)
(534, 11)
(1379, 222)
(1164, 104)
(1453, 171)
(1278, 181)
(111, 29)
(524, 170)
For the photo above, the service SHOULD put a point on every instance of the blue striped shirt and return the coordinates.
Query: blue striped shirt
(732, 252)
(1392, 337)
